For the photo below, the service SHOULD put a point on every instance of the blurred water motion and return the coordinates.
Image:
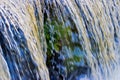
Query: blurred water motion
(59, 40)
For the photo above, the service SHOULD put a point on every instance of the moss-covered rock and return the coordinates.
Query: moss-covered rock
(58, 35)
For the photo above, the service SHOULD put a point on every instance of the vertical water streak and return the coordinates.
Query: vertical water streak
(20, 32)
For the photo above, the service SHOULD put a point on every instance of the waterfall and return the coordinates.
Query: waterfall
(59, 39)
(21, 41)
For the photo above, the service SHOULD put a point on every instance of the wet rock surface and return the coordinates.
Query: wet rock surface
(59, 39)
(82, 31)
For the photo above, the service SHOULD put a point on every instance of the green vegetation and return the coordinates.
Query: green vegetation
(71, 62)
(58, 35)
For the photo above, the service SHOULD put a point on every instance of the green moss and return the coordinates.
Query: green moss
(70, 62)
(60, 36)
(74, 59)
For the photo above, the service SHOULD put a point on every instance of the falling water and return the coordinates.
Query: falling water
(21, 52)
(59, 39)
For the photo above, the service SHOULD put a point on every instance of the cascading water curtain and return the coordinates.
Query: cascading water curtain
(59, 39)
